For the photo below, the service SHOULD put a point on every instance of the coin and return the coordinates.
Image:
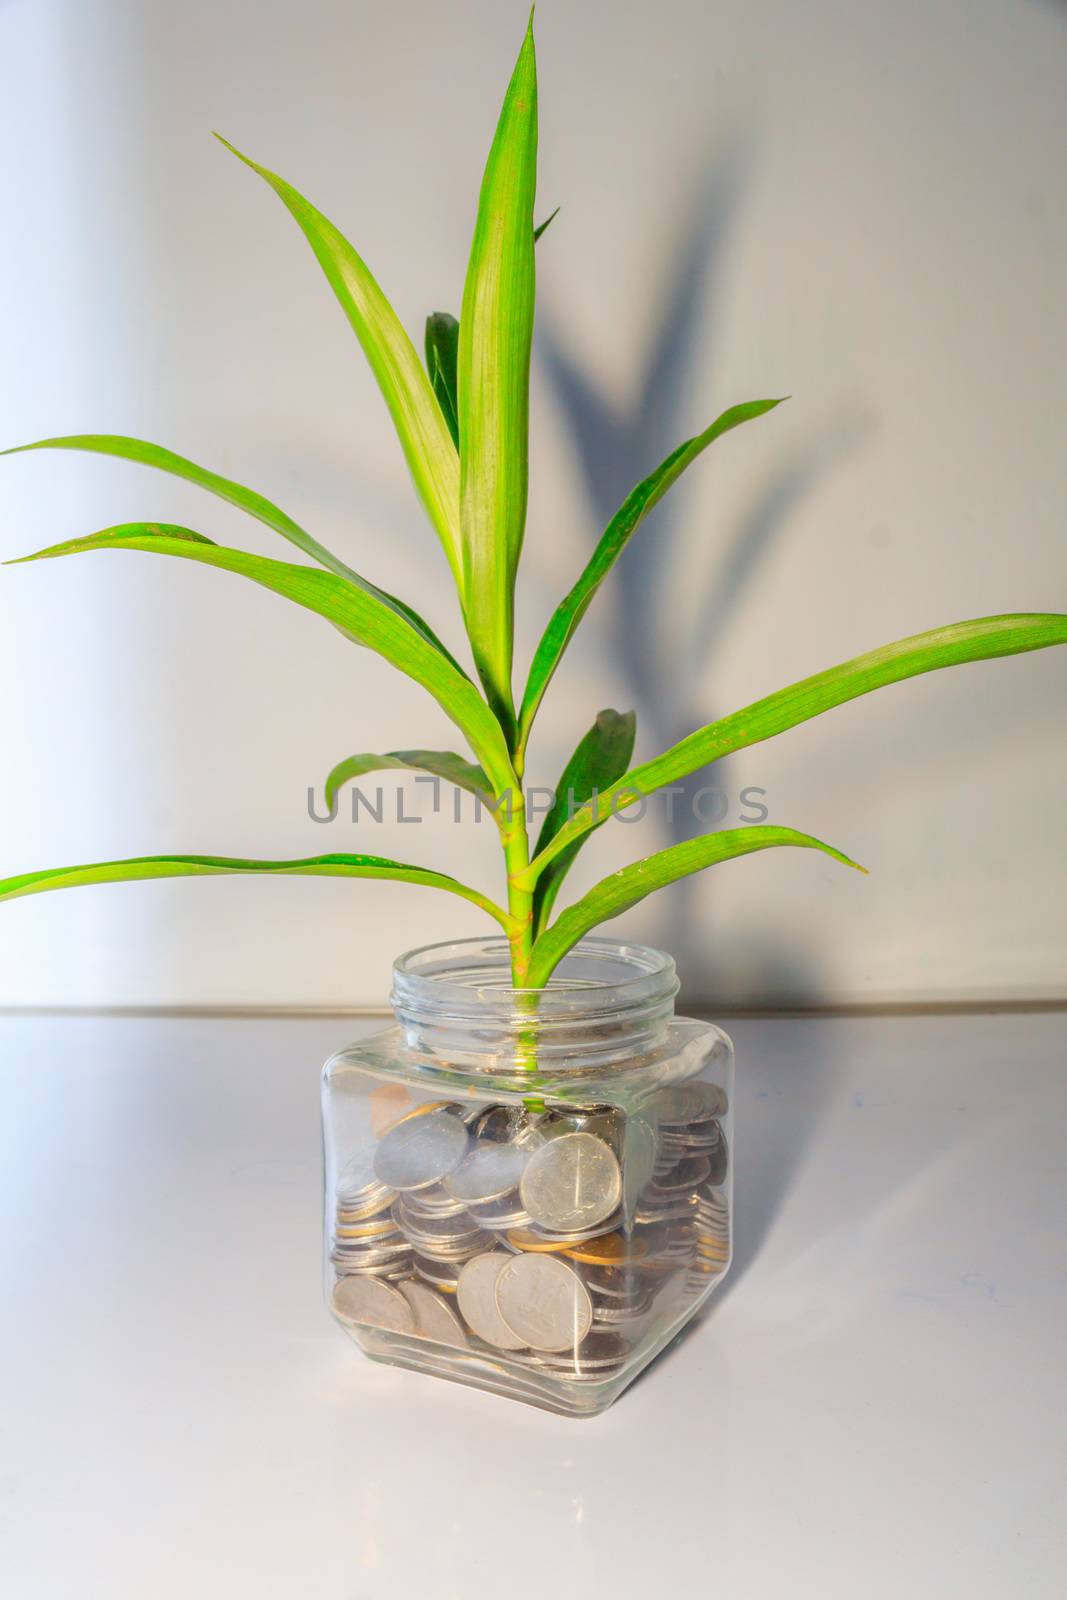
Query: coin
(571, 1183)
(579, 1235)
(490, 1172)
(393, 1270)
(477, 1300)
(604, 1121)
(380, 1227)
(544, 1302)
(500, 1215)
(434, 1319)
(421, 1150)
(623, 1313)
(374, 1208)
(441, 1274)
(683, 1103)
(526, 1239)
(609, 1250)
(374, 1304)
(433, 1202)
(614, 1283)
(600, 1354)
(683, 1176)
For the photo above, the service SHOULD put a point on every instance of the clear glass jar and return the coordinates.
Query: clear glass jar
(528, 1191)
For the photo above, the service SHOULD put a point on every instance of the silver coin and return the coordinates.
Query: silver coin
(501, 1215)
(686, 1175)
(421, 1151)
(490, 1172)
(476, 1293)
(504, 1124)
(544, 1302)
(622, 1317)
(442, 1274)
(613, 1283)
(604, 1121)
(580, 1235)
(434, 1318)
(373, 1303)
(683, 1103)
(357, 1175)
(455, 1254)
(601, 1354)
(433, 1202)
(390, 1270)
(571, 1183)
(444, 1233)
(638, 1161)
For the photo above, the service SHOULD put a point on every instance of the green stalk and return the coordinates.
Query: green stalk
(516, 843)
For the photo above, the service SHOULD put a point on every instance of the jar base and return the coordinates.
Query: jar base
(522, 1378)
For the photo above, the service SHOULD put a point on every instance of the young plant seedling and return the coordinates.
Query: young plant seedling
(462, 422)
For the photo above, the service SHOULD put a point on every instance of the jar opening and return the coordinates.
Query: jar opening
(605, 1000)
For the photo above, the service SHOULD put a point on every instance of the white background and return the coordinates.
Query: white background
(859, 204)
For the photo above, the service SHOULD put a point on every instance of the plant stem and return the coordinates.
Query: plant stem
(520, 898)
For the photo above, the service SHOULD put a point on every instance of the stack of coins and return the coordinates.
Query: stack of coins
(711, 1237)
(500, 1229)
(366, 1239)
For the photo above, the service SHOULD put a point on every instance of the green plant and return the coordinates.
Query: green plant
(462, 421)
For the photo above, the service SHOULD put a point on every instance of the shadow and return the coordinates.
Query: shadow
(615, 449)
(790, 1076)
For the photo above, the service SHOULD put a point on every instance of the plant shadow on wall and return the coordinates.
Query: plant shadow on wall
(665, 683)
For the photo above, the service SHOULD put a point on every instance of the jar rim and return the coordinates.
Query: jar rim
(464, 976)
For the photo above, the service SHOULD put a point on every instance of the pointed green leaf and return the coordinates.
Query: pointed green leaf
(360, 615)
(624, 889)
(602, 756)
(257, 505)
(980, 640)
(442, 357)
(544, 226)
(440, 763)
(634, 509)
(138, 868)
(496, 329)
(424, 436)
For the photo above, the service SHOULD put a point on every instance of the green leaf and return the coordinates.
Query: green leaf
(360, 615)
(980, 640)
(442, 353)
(495, 333)
(601, 757)
(570, 611)
(424, 436)
(137, 868)
(257, 505)
(543, 227)
(624, 889)
(441, 763)
(442, 357)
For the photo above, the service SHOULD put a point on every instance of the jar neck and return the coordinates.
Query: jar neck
(605, 1004)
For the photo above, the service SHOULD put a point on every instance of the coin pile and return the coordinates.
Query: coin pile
(506, 1230)
(366, 1239)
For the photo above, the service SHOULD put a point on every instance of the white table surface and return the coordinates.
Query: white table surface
(872, 1407)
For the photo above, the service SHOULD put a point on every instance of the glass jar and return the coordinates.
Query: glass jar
(528, 1191)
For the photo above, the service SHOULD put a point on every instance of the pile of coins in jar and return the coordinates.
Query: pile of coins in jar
(554, 1237)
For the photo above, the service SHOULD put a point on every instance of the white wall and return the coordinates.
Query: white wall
(864, 206)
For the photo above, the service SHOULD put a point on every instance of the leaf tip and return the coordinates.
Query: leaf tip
(232, 148)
